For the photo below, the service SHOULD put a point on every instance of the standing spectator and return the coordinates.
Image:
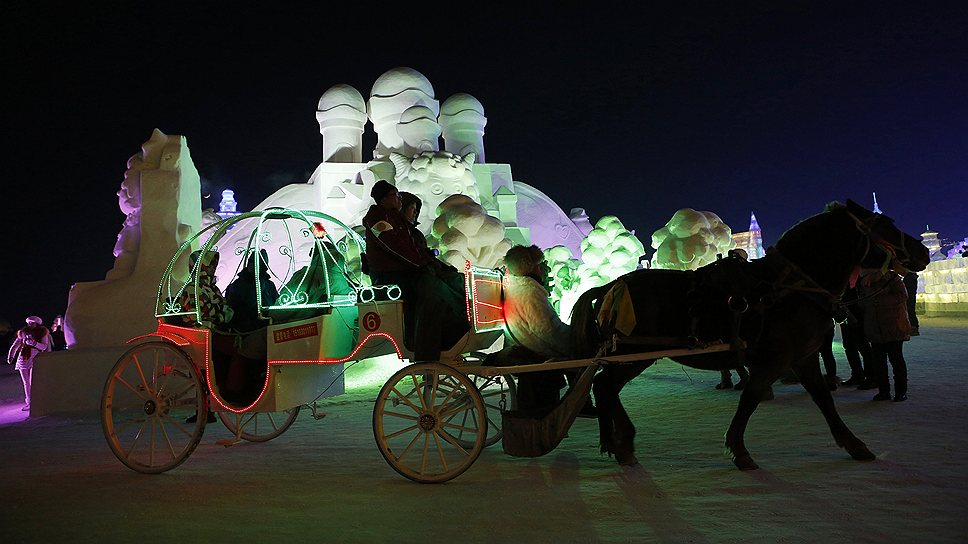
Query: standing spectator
(57, 334)
(856, 347)
(884, 299)
(911, 284)
(31, 340)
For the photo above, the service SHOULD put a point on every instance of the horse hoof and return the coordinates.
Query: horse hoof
(862, 453)
(626, 459)
(724, 385)
(745, 462)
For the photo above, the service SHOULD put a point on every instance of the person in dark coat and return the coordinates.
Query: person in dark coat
(433, 310)
(884, 299)
(911, 284)
(856, 347)
(241, 295)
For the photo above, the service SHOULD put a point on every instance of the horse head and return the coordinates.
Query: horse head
(902, 251)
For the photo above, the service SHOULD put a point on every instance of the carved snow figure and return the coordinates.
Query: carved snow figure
(434, 176)
(462, 122)
(564, 276)
(341, 114)
(419, 130)
(393, 93)
(129, 200)
(161, 190)
(464, 231)
(607, 252)
(690, 239)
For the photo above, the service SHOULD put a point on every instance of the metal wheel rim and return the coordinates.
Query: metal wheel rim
(151, 391)
(413, 422)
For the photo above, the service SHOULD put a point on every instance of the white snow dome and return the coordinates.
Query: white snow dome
(461, 102)
(416, 113)
(341, 95)
(397, 80)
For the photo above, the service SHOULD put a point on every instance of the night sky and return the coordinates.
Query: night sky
(768, 109)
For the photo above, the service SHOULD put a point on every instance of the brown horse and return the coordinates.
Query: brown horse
(774, 312)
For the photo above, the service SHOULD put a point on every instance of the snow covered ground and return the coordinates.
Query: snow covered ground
(325, 481)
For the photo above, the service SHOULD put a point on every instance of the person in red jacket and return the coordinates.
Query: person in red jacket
(434, 313)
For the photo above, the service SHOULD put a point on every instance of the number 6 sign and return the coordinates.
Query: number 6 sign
(371, 321)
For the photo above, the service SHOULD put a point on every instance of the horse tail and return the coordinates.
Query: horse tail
(584, 328)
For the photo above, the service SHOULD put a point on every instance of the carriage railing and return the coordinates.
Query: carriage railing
(310, 225)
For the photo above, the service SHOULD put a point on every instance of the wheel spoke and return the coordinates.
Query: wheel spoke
(131, 387)
(406, 401)
(440, 452)
(450, 440)
(137, 365)
(400, 432)
(401, 416)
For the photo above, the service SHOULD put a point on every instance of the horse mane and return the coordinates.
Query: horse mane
(584, 330)
(834, 206)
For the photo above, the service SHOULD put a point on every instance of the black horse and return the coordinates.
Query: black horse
(774, 312)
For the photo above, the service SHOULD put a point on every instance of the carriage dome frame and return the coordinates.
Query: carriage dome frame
(309, 224)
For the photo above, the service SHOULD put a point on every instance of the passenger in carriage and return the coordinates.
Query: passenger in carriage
(241, 295)
(243, 377)
(435, 314)
(308, 285)
(213, 312)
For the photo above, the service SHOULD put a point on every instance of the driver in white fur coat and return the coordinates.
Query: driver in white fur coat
(532, 322)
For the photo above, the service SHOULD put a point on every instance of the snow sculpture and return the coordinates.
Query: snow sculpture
(419, 130)
(465, 232)
(434, 176)
(462, 121)
(564, 276)
(129, 200)
(161, 190)
(608, 252)
(393, 93)
(341, 114)
(690, 239)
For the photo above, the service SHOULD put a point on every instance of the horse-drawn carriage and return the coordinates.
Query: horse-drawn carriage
(432, 419)
(157, 395)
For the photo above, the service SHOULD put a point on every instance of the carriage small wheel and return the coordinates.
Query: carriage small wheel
(419, 412)
(500, 395)
(259, 426)
(147, 408)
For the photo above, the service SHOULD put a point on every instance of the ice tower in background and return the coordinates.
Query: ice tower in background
(752, 240)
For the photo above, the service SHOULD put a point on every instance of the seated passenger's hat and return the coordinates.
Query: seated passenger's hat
(380, 190)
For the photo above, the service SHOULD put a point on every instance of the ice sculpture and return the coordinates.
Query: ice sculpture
(392, 94)
(161, 197)
(434, 176)
(465, 232)
(341, 114)
(462, 121)
(690, 239)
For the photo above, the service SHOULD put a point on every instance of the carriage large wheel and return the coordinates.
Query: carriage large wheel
(500, 395)
(151, 391)
(259, 426)
(418, 413)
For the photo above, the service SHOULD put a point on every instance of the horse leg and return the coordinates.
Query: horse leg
(809, 372)
(757, 386)
(616, 431)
